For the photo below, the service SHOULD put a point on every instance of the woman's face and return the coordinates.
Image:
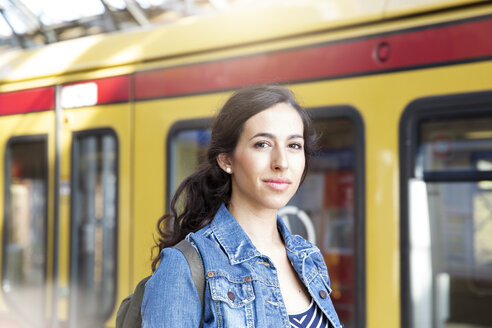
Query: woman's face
(268, 161)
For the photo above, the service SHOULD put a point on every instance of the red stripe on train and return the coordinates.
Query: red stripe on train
(111, 89)
(409, 49)
(24, 101)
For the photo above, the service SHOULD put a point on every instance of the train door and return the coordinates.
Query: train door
(27, 140)
(94, 200)
(328, 208)
(447, 212)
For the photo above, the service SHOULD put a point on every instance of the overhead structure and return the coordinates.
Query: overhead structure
(21, 26)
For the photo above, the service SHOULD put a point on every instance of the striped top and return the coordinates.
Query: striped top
(311, 318)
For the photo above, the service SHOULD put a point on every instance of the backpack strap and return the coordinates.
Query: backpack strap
(197, 271)
(128, 315)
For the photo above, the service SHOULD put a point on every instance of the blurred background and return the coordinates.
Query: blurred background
(106, 106)
(30, 23)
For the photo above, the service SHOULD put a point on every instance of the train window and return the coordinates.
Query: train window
(187, 148)
(24, 230)
(449, 253)
(326, 210)
(94, 226)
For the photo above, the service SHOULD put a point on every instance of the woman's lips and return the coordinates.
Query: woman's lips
(278, 184)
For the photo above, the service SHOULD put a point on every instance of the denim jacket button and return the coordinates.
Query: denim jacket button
(231, 296)
(210, 274)
(247, 279)
(323, 294)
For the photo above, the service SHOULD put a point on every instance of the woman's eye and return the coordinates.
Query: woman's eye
(261, 144)
(295, 146)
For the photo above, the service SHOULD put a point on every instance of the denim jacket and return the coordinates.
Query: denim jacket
(242, 287)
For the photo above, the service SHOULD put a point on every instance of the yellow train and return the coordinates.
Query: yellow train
(96, 133)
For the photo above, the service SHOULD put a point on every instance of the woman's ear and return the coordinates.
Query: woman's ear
(225, 163)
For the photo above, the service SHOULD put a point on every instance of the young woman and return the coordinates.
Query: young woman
(257, 273)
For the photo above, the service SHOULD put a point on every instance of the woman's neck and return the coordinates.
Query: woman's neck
(259, 225)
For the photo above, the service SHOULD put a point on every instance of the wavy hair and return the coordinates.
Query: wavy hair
(200, 195)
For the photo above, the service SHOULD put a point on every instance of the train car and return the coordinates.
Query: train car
(97, 132)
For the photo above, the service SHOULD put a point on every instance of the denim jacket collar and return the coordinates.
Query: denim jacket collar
(237, 244)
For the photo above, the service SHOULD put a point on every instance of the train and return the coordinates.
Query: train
(97, 132)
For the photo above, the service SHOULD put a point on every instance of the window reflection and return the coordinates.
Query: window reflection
(453, 146)
(94, 219)
(451, 224)
(188, 147)
(24, 251)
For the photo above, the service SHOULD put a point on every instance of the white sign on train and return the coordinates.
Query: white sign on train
(79, 95)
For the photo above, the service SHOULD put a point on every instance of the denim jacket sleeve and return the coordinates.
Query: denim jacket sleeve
(171, 298)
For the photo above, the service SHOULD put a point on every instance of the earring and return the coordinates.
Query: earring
(228, 170)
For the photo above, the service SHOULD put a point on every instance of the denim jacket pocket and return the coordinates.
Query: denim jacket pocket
(233, 298)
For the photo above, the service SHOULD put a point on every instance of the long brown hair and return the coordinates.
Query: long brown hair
(200, 195)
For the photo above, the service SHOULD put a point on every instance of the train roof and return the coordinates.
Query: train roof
(241, 26)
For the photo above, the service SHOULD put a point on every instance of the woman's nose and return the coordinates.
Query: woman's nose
(279, 160)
